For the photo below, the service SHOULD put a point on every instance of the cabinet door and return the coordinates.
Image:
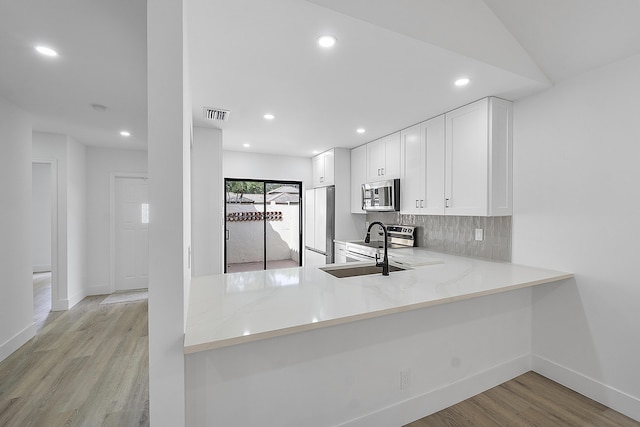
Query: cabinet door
(412, 197)
(318, 170)
(358, 177)
(500, 155)
(391, 168)
(312, 259)
(432, 132)
(323, 168)
(466, 185)
(375, 160)
(341, 253)
(329, 168)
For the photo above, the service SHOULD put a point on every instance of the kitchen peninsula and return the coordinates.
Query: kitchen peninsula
(300, 344)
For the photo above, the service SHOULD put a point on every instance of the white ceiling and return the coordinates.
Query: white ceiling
(393, 66)
(103, 55)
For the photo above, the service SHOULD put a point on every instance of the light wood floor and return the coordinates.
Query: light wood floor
(85, 367)
(41, 299)
(528, 400)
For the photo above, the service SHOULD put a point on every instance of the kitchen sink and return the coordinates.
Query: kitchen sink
(361, 270)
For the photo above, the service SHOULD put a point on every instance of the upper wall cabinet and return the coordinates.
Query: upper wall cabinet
(358, 177)
(422, 168)
(383, 158)
(323, 166)
(478, 171)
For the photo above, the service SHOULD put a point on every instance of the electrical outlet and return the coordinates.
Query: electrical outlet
(479, 234)
(404, 379)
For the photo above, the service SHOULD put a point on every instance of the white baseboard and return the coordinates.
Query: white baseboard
(103, 289)
(41, 268)
(17, 341)
(60, 305)
(433, 401)
(77, 298)
(593, 389)
(66, 304)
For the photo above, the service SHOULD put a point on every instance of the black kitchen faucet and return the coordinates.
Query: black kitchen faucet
(385, 260)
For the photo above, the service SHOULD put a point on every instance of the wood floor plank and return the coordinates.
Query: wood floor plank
(87, 366)
(528, 400)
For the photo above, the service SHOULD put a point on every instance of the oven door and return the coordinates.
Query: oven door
(354, 257)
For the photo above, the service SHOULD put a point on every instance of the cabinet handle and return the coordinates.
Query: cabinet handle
(447, 203)
(322, 179)
(226, 232)
(382, 171)
(422, 204)
(417, 203)
(378, 171)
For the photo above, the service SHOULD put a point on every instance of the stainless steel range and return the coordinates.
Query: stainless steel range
(400, 236)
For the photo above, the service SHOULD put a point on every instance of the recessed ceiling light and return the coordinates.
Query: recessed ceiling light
(125, 133)
(462, 81)
(269, 116)
(327, 41)
(360, 130)
(46, 51)
(246, 145)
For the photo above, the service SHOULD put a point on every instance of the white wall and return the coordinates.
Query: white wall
(16, 285)
(53, 147)
(350, 374)
(207, 200)
(242, 165)
(101, 164)
(41, 217)
(169, 115)
(77, 222)
(68, 155)
(576, 208)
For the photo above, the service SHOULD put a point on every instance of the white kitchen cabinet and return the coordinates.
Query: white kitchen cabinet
(340, 251)
(312, 259)
(383, 158)
(412, 169)
(422, 168)
(478, 170)
(323, 166)
(358, 177)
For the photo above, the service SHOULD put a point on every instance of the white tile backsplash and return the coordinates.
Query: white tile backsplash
(456, 234)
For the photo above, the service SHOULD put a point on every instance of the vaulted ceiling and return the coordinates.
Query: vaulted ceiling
(393, 65)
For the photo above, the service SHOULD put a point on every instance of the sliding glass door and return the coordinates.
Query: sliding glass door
(262, 224)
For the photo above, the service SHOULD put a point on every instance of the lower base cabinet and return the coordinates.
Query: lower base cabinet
(340, 252)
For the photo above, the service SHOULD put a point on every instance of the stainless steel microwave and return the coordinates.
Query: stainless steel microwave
(381, 196)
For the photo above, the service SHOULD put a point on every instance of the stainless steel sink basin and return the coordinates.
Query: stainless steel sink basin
(361, 270)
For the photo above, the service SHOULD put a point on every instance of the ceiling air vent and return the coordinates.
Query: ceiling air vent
(216, 114)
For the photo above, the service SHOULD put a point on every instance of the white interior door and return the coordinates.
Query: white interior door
(131, 211)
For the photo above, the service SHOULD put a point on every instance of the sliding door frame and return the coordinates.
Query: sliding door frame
(264, 183)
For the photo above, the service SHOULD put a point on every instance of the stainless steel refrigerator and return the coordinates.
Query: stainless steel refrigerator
(319, 230)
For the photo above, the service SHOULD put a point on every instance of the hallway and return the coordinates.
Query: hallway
(85, 367)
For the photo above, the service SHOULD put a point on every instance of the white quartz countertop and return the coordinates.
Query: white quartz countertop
(229, 309)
